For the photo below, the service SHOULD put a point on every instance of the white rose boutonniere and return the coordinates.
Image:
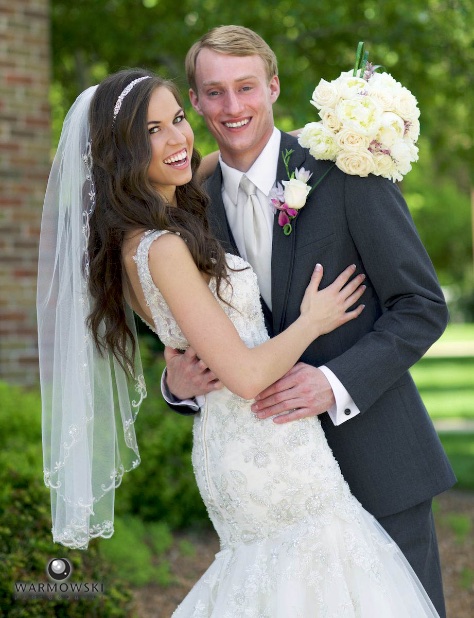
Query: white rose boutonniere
(291, 195)
(369, 122)
(297, 189)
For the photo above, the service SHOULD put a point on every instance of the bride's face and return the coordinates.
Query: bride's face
(171, 139)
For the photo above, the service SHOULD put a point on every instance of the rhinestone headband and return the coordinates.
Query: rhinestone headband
(124, 93)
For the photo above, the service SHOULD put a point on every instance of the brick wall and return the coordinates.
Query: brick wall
(24, 168)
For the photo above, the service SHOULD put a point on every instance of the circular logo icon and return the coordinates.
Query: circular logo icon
(59, 569)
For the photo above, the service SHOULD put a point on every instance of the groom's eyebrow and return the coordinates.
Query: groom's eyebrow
(237, 79)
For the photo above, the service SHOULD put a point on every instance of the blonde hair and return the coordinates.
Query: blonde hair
(231, 41)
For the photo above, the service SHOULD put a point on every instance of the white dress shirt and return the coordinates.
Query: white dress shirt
(263, 174)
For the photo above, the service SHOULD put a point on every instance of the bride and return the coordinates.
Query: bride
(124, 228)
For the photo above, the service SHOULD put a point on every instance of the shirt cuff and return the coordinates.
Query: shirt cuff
(195, 404)
(344, 408)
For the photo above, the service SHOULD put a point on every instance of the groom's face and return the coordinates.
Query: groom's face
(235, 97)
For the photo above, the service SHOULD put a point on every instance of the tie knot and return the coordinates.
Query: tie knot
(247, 186)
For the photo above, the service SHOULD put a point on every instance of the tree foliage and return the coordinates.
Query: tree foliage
(428, 45)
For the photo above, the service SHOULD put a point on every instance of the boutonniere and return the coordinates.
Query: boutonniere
(290, 195)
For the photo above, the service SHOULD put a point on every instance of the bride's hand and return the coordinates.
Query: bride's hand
(328, 308)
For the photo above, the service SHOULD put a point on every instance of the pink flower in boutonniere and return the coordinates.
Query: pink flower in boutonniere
(290, 196)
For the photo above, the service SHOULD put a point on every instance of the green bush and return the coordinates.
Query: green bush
(161, 491)
(163, 487)
(25, 530)
(139, 551)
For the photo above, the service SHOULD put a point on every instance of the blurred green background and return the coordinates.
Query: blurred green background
(428, 45)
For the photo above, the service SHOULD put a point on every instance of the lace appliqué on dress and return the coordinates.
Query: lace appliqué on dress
(295, 542)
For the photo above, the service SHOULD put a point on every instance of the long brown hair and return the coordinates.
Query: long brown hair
(126, 200)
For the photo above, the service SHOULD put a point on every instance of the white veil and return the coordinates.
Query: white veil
(88, 413)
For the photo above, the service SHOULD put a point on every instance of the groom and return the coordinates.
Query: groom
(375, 423)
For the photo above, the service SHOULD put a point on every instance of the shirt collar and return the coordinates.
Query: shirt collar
(262, 173)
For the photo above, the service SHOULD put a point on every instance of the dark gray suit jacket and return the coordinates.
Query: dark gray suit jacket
(390, 454)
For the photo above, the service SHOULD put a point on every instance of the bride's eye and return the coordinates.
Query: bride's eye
(153, 130)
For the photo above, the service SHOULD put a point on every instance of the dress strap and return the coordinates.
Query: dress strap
(141, 257)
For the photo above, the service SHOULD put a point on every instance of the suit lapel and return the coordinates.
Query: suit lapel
(283, 247)
(216, 213)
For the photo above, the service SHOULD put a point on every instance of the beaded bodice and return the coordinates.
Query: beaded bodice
(240, 294)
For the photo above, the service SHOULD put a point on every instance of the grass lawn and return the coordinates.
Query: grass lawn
(459, 447)
(446, 385)
(458, 332)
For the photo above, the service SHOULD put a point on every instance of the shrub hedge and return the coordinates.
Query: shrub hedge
(161, 489)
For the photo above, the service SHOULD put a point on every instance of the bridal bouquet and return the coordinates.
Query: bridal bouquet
(369, 123)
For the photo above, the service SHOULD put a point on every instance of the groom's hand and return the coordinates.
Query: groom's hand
(187, 376)
(303, 391)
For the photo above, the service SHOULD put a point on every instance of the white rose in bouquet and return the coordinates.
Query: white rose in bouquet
(369, 123)
(325, 95)
(349, 140)
(385, 166)
(356, 163)
(329, 119)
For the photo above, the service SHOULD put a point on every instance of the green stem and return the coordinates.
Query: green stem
(321, 179)
(359, 54)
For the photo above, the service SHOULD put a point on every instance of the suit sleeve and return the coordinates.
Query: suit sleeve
(186, 407)
(413, 310)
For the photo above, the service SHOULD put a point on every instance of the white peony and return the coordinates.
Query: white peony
(383, 81)
(405, 105)
(319, 140)
(403, 155)
(412, 129)
(392, 129)
(296, 192)
(349, 86)
(361, 114)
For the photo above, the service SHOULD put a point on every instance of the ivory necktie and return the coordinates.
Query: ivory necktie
(256, 237)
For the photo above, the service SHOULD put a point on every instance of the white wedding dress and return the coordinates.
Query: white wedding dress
(294, 542)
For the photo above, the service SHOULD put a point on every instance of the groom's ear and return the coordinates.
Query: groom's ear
(274, 86)
(193, 97)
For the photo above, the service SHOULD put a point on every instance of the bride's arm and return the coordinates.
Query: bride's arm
(209, 331)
